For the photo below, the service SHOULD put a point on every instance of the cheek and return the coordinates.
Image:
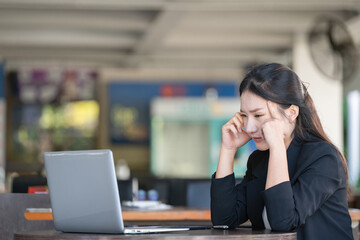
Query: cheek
(289, 127)
(262, 120)
(245, 123)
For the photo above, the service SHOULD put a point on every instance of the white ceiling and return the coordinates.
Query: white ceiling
(151, 33)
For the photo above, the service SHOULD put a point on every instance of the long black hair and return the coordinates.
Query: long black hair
(280, 84)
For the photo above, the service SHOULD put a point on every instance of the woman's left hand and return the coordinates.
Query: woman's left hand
(273, 128)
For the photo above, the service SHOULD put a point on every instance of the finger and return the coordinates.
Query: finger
(229, 126)
(233, 129)
(262, 134)
(241, 119)
(238, 115)
(273, 110)
(264, 127)
(238, 122)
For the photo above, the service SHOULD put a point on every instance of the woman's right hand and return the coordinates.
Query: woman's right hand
(233, 137)
(233, 134)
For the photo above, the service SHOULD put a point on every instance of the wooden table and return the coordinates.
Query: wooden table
(40, 225)
(239, 233)
(173, 214)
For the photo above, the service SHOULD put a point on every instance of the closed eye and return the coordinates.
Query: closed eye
(259, 115)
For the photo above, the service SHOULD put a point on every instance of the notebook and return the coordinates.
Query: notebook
(84, 194)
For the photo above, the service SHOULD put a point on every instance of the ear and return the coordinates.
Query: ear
(292, 112)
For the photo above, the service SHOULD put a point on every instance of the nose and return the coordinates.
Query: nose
(250, 126)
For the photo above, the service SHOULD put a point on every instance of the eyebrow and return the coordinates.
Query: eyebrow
(253, 110)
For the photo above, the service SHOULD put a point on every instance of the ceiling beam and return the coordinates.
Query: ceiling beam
(109, 5)
(154, 37)
(57, 38)
(267, 22)
(167, 58)
(264, 5)
(197, 5)
(96, 55)
(231, 40)
(159, 32)
(78, 20)
(155, 34)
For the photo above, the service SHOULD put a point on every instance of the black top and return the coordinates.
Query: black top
(313, 202)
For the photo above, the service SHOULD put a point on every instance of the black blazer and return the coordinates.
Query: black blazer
(313, 203)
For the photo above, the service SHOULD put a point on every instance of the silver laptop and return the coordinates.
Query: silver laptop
(84, 193)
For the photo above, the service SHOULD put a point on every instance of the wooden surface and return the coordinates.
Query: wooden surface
(175, 214)
(239, 233)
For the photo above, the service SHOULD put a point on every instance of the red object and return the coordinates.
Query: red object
(168, 90)
(38, 189)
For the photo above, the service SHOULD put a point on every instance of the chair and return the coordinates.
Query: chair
(198, 193)
(125, 189)
(191, 192)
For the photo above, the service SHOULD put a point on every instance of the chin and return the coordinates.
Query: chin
(262, 146)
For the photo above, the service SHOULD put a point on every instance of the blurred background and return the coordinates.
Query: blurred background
(155, 80)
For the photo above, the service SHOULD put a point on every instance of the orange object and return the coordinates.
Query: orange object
(38, 216)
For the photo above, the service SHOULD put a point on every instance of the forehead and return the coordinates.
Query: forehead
(250, 101)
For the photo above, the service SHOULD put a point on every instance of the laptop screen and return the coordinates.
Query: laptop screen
(83, 191)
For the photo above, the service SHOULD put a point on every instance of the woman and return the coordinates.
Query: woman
(297, 179)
